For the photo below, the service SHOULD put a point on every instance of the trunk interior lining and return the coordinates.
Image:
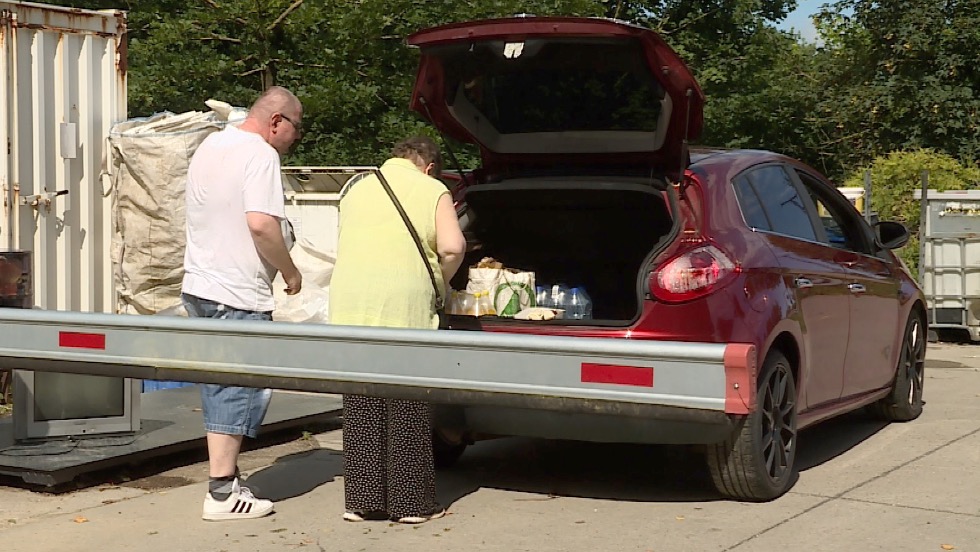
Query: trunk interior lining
(593, 237)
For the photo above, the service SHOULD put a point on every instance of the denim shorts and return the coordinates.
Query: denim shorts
(228, 409)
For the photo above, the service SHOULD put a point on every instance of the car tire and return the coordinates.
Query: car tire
(758, 462)
(904, 403)
(446, 452)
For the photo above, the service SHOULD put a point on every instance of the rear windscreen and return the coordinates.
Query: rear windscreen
(554, 85)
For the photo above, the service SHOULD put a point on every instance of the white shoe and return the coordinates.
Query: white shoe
(240, 504)
(437, 513)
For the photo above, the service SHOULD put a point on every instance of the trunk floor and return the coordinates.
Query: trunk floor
(171, 421)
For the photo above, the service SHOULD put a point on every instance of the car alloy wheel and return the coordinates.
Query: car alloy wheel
(904, 403)
(778, 413)
(758, 461)
(913, 361)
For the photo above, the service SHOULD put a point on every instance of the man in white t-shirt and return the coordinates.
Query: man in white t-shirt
(235, 247)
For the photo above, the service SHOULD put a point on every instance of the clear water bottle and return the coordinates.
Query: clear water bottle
(579, 304)
(542, 297)
(558, 297)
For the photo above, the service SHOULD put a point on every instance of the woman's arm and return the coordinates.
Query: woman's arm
(450, 243)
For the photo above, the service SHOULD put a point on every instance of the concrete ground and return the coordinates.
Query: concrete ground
(863, 486)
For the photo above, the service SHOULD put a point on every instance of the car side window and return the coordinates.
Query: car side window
(751, 205)
(841, 222)
(785, 209)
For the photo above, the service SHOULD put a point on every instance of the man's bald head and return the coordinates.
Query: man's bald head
(275, 99)
(277, 116)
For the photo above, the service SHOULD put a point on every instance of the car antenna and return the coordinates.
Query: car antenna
(685, 154)
(445, 142)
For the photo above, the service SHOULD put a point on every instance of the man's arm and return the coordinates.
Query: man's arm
(267, 235)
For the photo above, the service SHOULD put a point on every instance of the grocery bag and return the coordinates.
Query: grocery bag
(483, 279)
(513, 292)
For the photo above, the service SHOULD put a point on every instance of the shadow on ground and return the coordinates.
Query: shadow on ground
(150, 472)
(645, 473)
(296, 474)
(828, 440)
(624, 472)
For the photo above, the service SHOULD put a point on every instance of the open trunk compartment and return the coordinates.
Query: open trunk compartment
(590, 232)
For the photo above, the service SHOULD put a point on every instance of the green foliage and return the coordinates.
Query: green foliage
(771, 101)
(903, 76)
(889, 76)
(349, 64)
(346, 60)
(895, 178)
(762, 86)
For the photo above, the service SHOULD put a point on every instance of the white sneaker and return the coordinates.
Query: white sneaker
(437, 513)
(240, 504)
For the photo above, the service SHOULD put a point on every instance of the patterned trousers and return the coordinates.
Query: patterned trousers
(388, 465)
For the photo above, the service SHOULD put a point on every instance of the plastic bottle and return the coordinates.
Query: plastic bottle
(559, 297)
(452, 304)
(486, 307)
(467, 304)
(542, 297)
(579, 304)
(489, 309)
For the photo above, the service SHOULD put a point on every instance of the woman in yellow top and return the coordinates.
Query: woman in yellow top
(380, 280)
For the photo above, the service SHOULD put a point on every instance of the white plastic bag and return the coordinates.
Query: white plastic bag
(312, 303)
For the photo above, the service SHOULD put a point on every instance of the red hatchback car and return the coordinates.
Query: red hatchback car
(587, 179)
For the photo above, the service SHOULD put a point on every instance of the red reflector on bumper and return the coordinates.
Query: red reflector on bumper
(81, 340)
(624, 375)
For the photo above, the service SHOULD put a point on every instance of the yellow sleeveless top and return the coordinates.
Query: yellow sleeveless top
(379, 278)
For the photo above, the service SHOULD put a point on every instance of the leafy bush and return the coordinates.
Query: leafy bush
(894, 180)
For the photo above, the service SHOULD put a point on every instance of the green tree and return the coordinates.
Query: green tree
(349, 63)
(762, 85)
(896, 177)
(346, 60)
(904, 76)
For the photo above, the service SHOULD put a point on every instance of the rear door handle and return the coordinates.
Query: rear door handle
(856, 288)
(803, 283)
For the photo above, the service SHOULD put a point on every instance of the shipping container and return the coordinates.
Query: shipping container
(64, 86)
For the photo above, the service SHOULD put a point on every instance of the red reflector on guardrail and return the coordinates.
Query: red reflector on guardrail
(78, 340)
(624, 375)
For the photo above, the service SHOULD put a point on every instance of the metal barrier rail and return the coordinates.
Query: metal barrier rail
(572, 374)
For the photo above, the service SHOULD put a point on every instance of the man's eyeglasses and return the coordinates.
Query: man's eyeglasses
(298, 126)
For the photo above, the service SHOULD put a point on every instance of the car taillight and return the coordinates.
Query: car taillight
(694, 273)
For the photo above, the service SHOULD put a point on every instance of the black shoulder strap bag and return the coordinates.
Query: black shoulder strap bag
(440, 300)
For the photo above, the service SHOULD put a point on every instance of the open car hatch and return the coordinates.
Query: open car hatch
(540, 92)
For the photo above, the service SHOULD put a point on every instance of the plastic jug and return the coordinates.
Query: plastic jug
(579, 304)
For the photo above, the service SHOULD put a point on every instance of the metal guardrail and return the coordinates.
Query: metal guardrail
(592, 375)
